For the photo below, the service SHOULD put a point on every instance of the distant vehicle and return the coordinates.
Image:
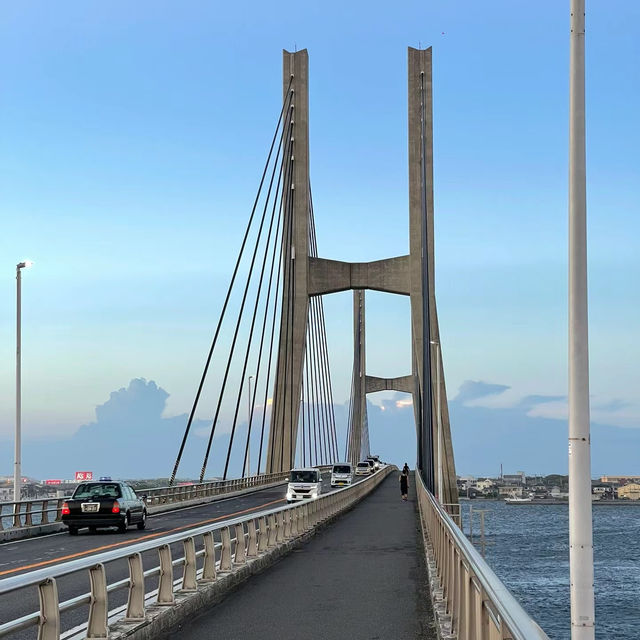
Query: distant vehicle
(375, 460)
(364, 468)
(304, 484)
(341, 474)
(103, 504)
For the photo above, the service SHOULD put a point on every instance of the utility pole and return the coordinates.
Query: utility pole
(580, 524)
(17, 467)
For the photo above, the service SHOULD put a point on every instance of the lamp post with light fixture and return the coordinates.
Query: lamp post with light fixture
(17, 470)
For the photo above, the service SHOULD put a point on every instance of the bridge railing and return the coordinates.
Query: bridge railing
(470, 601)
(28, 513)
(40, 511)
(208, 554)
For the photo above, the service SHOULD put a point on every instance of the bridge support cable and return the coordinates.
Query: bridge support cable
(261, 278)
(269, 365)
(322, 347)
(276, 135)
(283, 241)
(239, 319)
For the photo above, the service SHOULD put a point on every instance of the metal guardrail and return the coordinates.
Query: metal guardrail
(30, 513)
(470, 601)
(208, 553)
(39, 511)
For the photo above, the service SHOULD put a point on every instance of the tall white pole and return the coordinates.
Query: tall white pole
(580, 524)
(17, 470)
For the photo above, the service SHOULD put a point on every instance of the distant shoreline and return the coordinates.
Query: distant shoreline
(608, 503)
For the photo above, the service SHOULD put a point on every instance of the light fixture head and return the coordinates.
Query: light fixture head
(24, 265)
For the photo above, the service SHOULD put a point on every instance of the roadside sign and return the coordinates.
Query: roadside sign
(53, 481)
(84, 475)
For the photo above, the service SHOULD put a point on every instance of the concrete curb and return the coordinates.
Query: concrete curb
(22, 533)
(162, 619)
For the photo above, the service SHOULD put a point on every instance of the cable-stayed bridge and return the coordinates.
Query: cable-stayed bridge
(209, 537)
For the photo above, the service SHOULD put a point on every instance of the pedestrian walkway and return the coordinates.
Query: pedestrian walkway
(362, 577)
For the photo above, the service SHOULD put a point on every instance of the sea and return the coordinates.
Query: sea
(527, 546)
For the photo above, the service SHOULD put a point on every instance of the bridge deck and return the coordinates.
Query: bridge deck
(361, 577)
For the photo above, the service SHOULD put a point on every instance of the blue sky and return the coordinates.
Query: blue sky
(134, 136)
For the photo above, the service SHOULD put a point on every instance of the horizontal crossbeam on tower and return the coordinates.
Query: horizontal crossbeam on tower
(331, 276)
(402, 383)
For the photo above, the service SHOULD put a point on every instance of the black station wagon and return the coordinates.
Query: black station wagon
(103, 504)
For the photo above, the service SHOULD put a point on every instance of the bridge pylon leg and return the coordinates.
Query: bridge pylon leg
(295, 296)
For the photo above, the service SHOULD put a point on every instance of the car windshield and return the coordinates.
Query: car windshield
(97, 490)
(341, 468)
(363, 464)
(298, 475)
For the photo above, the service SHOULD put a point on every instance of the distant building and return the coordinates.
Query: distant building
(619, 479)
(484, 485)
(510, 491)
(516, 478)
(630, 491)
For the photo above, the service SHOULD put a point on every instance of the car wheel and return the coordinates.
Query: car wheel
(143, 523)
(122, 527)
(73, 531)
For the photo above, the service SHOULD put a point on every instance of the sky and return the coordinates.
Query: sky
(132, 143)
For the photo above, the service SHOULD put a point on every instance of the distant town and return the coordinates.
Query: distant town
(516, 487)
(58, 488)
(519, 487)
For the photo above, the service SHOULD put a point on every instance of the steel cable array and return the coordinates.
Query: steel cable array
(246, 336)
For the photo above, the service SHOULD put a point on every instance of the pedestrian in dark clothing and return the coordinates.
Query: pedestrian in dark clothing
(404, 485)
(405, 469)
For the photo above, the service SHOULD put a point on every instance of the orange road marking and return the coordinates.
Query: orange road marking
(130, 542)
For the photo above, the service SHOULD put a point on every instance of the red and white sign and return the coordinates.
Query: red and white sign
(84, 475)
(53, 481)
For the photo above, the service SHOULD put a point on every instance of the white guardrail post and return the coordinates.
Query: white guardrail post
(264, 532)
(470, 601)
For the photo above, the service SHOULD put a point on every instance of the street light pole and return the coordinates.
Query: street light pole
(439, 418)
(580, 523)
(248, 466)
(17, 467)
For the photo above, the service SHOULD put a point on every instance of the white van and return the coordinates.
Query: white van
(364, 468)
(341, 474)
(304, 484)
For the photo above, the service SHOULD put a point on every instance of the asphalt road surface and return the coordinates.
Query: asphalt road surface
(21, 556)
(363, 577)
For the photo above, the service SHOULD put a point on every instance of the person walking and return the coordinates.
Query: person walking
(404, 483)
(405, 469)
